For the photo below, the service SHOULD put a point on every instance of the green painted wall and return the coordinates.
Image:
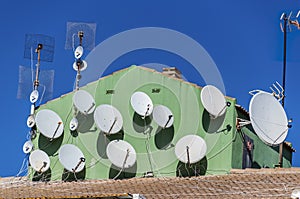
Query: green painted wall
(154, 146)
(264, 156)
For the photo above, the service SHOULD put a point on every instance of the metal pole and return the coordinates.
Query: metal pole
(283, 79)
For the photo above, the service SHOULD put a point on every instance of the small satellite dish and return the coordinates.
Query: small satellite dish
(80, 64)
(108, 119)
(141, 103)
(71, 157)
(190, 149)
(121, 154)
(78, 52)
(34, 96)
(73, 124)
(30, 121)
(27, 147)
(39, 160)
(163, 116)
(295, 194)
(268, 118)
(84, 102)
(213, 101)
(49, 123)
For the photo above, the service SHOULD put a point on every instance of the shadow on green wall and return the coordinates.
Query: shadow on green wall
(117, 173)
(163, 137)
(196, 169)
(50, 147)
(104, 139)
(85, 123)
(43, 177)
(69, 176)
(212, 125)
(140, 124)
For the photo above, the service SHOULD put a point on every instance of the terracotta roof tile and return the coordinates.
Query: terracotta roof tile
(248, 183)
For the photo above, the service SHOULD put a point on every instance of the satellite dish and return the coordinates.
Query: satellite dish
(34, 96)
(295, 194)
(30, 121)
(78, 52)
(141, 103)
(108, 119)
(268, 118)
(80, 64)
(39, 160)
(121, 154)
(190, 149)
(213, 101)
(27, 147)
(73, 124)
(71, 157)
(84, 102)
(163, 116)
(49, 123)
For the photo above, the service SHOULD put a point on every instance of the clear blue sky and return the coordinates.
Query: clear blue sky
(242, 37)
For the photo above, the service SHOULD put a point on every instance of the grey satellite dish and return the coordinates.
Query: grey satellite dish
(163, 116)
(80, 65)
(108, 119)
(73, 124)
(121, 154)
(190, 149)
(34, 96)
(78, 52)
(39, 161)
(141, 103)
(49, 123)
(268, 118)
(27, 147)
(71, 157)
(213, 101)
(84, 102)
(30, 121)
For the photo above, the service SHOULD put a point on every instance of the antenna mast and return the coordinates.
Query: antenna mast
(285, 23)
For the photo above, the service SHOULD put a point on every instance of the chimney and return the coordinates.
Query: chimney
(172, 72)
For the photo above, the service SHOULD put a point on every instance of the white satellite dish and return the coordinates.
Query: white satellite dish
(84, 102)
(163, 116)
(268, 118)
(73, 124)
(78, 52)
(49, 123)
(295, 194)
(27, 147)
(34, 96)
(71, 157)
(190, 149)
(39, 160)
(213, 101)
(121, 154)
(108, 119)
(80, 64)
(30, 121)
(141, 103)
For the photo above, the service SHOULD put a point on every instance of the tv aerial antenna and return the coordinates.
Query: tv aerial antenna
(286, 20)
(80, 36)
(35, 83)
